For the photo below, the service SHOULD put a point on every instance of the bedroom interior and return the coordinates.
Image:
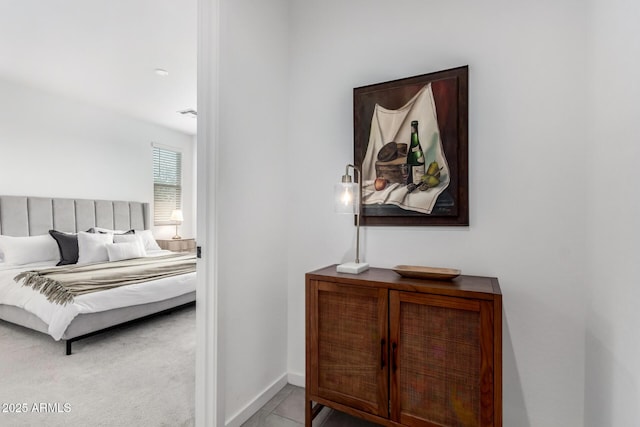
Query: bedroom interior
(552, 207)
(85, 122)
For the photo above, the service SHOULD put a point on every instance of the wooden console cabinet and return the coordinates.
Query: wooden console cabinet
(404, 352)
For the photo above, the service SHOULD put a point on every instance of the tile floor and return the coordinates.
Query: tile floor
(286, 409)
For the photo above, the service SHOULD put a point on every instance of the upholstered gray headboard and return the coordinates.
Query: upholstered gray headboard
(32, 216)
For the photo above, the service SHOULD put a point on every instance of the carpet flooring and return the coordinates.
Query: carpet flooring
(137, 375)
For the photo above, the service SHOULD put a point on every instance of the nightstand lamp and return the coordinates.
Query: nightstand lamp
(177, 216)
(348, 195)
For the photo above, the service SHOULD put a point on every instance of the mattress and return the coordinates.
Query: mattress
(57, 318)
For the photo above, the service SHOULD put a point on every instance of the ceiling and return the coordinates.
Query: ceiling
(105, 53)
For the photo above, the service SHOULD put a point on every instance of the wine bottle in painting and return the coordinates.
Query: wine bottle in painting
(415, 157)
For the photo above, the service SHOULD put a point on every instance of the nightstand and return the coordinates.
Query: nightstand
(177, 245)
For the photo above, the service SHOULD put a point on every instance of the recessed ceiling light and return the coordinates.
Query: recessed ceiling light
(161, 72)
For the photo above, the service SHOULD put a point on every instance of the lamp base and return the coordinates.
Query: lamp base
(177, 236)
(352, 267)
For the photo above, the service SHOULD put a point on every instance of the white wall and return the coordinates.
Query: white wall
(251, 201)
(53, 146)
(612, 371)
(527, 162)
(553, 153)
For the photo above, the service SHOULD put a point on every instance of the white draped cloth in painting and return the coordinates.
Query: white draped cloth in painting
(395, 126)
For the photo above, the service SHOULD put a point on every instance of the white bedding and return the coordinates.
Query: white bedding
(59, 317)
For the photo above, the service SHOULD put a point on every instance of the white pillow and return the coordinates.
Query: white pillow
(92, 247)
(127, 250)
(150, 243)
(29, 249)
(128, 238)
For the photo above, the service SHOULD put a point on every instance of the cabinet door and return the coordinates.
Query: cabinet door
(442, 360)
(348, 346)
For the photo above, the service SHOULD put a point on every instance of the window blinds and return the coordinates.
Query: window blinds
(167, 183)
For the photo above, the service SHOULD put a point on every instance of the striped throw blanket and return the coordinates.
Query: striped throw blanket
(61, 284)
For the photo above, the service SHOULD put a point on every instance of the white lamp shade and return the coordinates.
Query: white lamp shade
(346, 198)
(176, 215)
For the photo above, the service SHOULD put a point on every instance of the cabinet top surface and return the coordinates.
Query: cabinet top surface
(384, 277)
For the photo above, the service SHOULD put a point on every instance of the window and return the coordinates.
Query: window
(167, 183)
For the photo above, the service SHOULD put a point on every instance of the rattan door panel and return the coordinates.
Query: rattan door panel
(352, 329)
(442, 364)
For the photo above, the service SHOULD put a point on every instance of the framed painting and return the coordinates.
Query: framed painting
(411, 143)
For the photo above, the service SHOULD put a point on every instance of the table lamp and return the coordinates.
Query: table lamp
(348, 195)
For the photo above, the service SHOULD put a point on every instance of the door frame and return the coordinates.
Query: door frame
(209, 394)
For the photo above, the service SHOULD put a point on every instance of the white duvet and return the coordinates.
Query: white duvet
(58, 317)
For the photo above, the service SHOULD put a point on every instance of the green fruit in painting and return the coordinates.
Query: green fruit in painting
(433, 168)
(428, 181)
(431, 181)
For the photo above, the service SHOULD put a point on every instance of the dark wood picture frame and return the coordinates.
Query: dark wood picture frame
(451, 98)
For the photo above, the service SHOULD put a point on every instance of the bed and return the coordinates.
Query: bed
(95, 312)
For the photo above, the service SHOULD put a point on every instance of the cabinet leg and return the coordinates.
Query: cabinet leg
(312, 411)
(308, 418)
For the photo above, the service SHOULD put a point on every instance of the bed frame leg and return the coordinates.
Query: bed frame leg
(69, 341)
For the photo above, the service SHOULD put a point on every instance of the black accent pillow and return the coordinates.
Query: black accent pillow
(67, 245)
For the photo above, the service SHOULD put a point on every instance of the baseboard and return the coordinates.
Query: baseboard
(258, 402)
(296, 379)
